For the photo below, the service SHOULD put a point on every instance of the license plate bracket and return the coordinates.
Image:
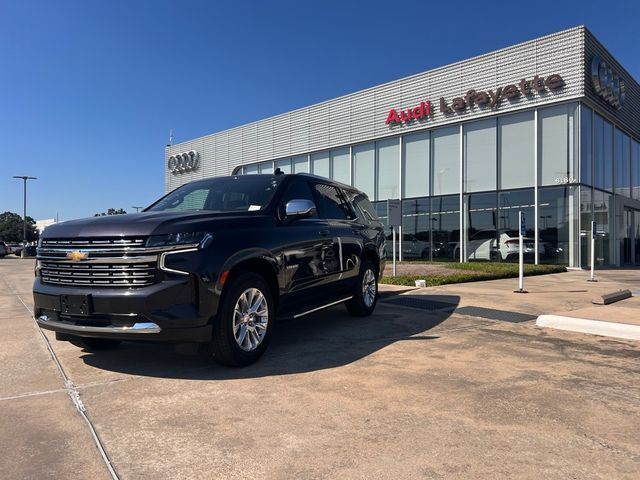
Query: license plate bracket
(76, 304)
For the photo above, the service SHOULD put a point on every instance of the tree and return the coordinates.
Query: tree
(111, 211)
(11, 228)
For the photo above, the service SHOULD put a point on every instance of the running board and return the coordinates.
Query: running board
(322, 307)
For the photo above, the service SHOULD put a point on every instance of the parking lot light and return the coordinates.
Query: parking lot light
(24, 211)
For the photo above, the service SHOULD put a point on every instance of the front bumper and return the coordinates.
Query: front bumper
(168, 311)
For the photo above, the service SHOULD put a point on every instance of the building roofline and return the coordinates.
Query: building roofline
(390, 82)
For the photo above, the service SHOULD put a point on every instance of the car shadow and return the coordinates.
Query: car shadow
(327, 339)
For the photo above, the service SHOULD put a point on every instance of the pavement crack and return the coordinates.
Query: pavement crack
(32, 394)
(70, 388)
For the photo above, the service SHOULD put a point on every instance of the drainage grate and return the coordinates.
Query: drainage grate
(492, 314)
(421, 303)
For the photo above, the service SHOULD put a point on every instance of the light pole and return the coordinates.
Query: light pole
(137, 208)
(24, 212)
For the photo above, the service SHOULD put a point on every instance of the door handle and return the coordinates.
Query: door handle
(324, 233)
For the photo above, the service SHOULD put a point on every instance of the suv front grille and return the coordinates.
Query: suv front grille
(111, 262)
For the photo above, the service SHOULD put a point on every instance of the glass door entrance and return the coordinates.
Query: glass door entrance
(630, 237)
(636, 234)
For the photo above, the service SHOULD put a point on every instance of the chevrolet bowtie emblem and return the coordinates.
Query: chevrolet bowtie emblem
(77, 255)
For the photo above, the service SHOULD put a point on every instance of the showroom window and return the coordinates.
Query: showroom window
(586, 147)
(284, 165)
(364, 162)
(300, 164)
(557, 224)
(320, 164)
(341, 165)
(266, 167)
(604, 226)
(480, 152)
(251, 169)
(416, 235)
(622, 162)
(603, 153)
(481, 232)
(586, 217)
(388, 169)
(446, 160)
(635, 171)
(510, 203)
(445, 228)
(415, 172)
(557, 139)
(517, 147)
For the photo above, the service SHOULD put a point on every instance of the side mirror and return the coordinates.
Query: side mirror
(299, 208)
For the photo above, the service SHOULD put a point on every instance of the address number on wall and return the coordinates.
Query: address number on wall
(565, 180)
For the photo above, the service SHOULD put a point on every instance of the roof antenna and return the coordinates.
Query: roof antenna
(278, 172)
(170, 137)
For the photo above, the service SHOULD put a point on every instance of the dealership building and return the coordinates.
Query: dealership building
(550, 127)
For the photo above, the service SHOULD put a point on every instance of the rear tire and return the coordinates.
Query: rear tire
(243, 327)
(365, 293)
(92, 344)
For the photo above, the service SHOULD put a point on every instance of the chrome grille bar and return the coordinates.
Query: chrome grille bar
(111, 262)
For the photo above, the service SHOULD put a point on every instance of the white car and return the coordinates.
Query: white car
(483, 245)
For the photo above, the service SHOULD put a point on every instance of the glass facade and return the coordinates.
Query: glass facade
(517, 150)
(585, 164)
(480, 156)
(446, 160)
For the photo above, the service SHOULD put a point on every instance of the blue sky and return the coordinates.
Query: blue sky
(89, 89)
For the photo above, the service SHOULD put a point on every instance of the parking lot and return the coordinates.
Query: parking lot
(406, 393)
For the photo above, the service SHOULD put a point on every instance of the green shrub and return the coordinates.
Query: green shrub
(474, 272)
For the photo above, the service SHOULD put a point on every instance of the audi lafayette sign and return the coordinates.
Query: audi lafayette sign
(183, 162)
(484, 99)
(607, 83)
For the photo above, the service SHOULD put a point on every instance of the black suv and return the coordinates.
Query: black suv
(215, 261)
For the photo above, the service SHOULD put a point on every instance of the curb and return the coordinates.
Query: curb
(595, 327)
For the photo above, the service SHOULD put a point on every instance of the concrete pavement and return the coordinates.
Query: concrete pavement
(406, 393)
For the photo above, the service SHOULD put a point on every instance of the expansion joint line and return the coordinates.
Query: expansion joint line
(71, 390)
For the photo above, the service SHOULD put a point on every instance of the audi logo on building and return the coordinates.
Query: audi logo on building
(607, 83)
(183, 162)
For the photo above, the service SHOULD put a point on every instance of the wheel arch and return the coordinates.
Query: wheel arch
(259, 265)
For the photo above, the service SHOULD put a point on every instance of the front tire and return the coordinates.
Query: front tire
(242, 330)
(365, 295)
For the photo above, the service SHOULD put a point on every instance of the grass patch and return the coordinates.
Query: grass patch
(470, 272)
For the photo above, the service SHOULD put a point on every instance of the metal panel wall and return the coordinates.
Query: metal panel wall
(627, 117)
(360, 117)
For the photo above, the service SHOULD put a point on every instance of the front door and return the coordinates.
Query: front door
(636, 235)
(630, 237)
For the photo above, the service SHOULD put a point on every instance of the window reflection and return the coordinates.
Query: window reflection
(509, 204)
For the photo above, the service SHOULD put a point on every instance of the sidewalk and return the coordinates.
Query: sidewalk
(562, 294)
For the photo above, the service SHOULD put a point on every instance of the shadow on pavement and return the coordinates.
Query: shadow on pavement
(323, 340)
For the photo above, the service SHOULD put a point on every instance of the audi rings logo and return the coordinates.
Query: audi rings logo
(607, 83)
(183, 162)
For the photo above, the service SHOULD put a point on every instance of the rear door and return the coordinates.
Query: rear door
(347, 242)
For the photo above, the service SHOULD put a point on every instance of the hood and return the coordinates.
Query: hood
(148, 223)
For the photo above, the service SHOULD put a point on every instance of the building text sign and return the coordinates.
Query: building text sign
(482, 99)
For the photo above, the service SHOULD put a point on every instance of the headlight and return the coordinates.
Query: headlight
(173, 239)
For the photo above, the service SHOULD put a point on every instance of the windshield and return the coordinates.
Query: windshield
(225, 194)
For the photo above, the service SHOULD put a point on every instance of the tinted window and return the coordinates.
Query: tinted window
(298, 190)
(240, 193)
(366, 209)
(331, 204)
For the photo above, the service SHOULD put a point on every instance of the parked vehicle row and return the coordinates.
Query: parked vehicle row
(16, 249)
(482, 245)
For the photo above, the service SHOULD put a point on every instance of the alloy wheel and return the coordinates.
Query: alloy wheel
(250, 319)
(369, 287)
